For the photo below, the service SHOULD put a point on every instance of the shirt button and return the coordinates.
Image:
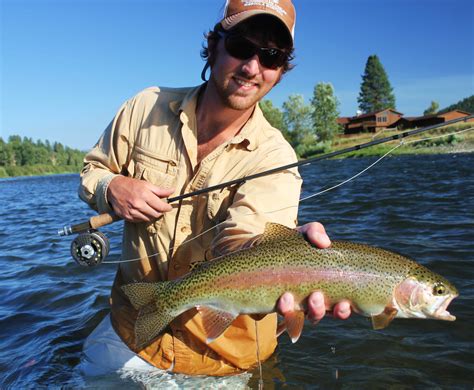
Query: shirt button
(185, 229)
(215, 196)
(176, 266)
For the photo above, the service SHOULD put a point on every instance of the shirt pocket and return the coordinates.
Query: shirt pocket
(156, 169)
(218, 202)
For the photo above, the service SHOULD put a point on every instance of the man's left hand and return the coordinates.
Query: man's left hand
(316, 303)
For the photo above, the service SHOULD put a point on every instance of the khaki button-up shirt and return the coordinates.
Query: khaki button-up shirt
(153, 137)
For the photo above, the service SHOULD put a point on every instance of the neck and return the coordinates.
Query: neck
(216, 122)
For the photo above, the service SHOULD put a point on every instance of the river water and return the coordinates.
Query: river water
(421, 206)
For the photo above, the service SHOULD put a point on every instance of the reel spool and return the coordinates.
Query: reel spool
(90, 248)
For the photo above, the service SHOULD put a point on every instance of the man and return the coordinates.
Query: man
(165, 142)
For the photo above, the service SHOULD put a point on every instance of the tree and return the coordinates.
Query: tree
(432, 109)
(467, 104)
(6, 153)
(376, 93)
(20, 156)
(275, 117)
(325, 112)
(16, 149)
(297, 118)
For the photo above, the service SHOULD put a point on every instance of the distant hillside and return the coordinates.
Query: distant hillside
(23, 157)
(466, 104)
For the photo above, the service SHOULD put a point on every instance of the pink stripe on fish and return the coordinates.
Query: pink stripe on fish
(295, 275)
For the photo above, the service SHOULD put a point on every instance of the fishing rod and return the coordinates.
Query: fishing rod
(91, 246)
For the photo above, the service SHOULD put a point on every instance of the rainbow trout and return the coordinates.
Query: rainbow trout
(379, 284)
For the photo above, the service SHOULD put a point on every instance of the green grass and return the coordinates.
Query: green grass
(34, 170)
(458, 143)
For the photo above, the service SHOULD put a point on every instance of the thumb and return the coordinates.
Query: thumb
(161, 192)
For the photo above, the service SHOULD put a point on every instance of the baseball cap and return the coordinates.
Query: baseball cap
(237, 11)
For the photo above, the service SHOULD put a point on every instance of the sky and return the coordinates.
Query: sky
(68, 65)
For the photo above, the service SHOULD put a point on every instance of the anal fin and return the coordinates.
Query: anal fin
(149, 323)
(294, 322)
(383, 319)
(215, 321)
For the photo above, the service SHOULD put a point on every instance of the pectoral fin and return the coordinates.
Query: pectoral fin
(215, 321)
(383, 319)
(294, 321)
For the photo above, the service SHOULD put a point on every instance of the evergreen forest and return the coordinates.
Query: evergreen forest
(466, 104)
(310, 127)
(23, 156)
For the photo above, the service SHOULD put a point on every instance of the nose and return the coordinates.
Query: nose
(251, 66)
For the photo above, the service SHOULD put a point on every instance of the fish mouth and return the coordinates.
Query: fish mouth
(441, 312)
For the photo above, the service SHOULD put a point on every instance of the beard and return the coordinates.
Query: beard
(238, 91)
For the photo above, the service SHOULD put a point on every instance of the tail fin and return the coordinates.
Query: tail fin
(149, 324)
(141, 294)
(152, 302)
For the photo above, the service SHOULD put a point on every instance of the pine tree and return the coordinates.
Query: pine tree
(466, 104)
(376, 93)
(325, 112)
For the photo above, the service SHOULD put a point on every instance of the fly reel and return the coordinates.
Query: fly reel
(90, 248)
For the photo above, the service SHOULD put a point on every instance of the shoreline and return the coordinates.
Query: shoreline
(425, 151)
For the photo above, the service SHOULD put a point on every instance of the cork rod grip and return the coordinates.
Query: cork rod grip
(102, 220)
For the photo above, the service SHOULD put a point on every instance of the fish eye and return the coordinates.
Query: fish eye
(439, 289)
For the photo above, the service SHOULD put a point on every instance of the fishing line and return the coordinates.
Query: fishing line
(268, 212)
(260, 380)
(438, 136)
(401, 143)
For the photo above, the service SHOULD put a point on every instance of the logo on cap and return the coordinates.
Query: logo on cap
(273, 4)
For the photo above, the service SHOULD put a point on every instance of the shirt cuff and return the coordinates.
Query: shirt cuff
(103, 205)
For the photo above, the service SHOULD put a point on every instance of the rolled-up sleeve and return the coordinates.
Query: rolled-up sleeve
(106, 160)
(272, 198)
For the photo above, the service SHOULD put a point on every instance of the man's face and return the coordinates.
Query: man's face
(241, 83)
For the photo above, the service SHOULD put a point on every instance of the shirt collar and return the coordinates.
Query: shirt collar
(186, 109)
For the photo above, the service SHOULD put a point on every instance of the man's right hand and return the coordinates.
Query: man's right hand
(137, 200)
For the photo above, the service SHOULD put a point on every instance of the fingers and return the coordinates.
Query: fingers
(316, 234)
(286, 303)
(342, 310)
(154, 199)
(160, 192)
(136, 200)
(316, 307)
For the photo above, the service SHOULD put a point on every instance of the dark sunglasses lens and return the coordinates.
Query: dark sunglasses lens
(239, 47)
(243, 49)
(271, 58)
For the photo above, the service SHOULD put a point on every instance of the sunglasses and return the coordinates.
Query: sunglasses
(243, 49)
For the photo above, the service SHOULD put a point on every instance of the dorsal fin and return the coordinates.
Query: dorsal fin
(276, 232)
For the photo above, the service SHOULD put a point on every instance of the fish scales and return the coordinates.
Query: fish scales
(252, 280)
(280, 266)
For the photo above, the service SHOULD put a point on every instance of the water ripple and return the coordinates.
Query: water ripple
(418, 206)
